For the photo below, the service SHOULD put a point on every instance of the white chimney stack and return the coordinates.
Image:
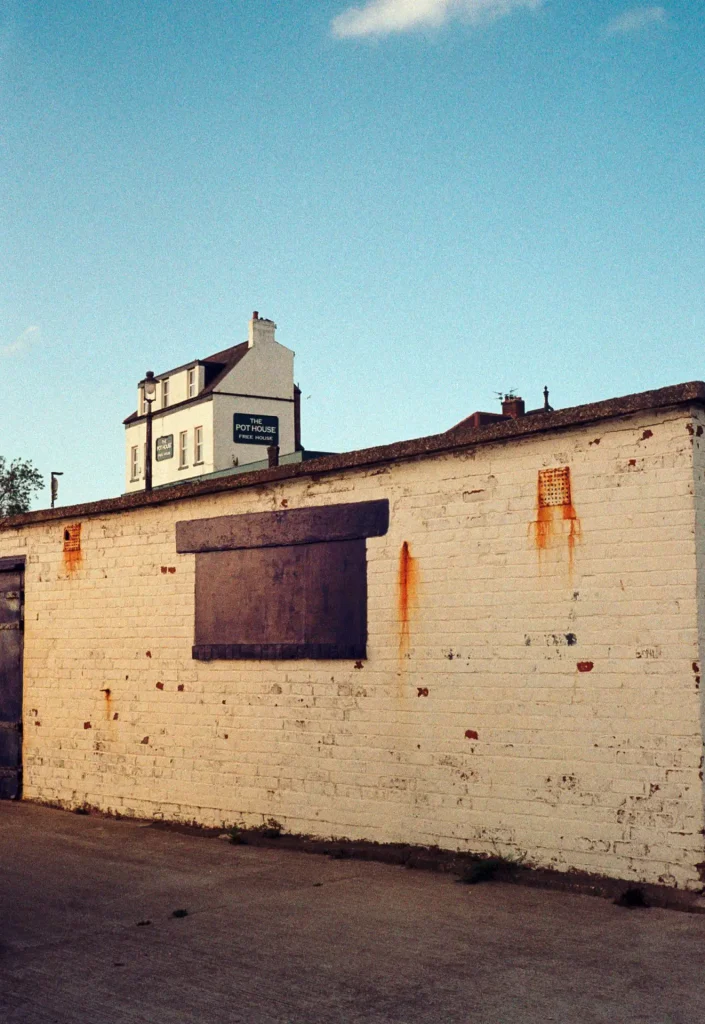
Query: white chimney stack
(261, 330)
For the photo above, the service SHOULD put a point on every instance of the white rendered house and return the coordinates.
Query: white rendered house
(218, 413)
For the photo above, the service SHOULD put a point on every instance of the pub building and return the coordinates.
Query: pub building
(234, 411)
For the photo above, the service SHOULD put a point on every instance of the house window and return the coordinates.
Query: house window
(192, 383)
(283, 585)
(183, 449)
(134, 462)
(197, 445)
(165, 392)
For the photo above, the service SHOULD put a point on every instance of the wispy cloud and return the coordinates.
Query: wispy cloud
(634, 20)
(22, 342)
(383, 17)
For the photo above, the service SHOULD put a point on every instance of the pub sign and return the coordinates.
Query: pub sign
(165, 447)
(249, 429)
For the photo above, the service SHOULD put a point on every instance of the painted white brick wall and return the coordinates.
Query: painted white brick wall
(512, 748)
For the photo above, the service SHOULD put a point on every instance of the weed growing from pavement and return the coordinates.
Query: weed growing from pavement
(484, 869)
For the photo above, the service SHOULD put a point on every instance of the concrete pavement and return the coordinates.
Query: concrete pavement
(278, 936)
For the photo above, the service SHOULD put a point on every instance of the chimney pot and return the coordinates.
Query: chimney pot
(255, 315)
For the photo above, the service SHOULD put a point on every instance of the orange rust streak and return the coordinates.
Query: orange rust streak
(543, 527)
(574, 535)
(407, 580)
(547, 515)
(72, 560)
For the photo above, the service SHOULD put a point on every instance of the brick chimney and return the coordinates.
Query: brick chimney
(261, 330)
(513, 406)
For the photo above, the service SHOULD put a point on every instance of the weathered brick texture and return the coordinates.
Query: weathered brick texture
(532, 688)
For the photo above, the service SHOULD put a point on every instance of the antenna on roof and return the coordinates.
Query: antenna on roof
(503, 396)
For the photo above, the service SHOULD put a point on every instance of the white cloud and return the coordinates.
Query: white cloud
(382, 17)
(634, 20)
(21, 342)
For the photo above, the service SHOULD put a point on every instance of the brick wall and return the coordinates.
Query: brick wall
(531, 685)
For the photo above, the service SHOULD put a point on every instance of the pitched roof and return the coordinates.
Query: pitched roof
(218, 366)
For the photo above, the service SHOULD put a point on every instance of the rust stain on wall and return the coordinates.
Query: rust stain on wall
(407, 592)
(585, 666)
(108, 703)
(554, 503)
(73, 556)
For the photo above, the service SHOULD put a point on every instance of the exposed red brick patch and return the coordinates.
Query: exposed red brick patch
(470, 734)
(164, 569)
(585, 666)
(172, 568)
(180, 687)
(87, 725)
(696, 666)
(37, 723)
(596, 441)
(358, 664)
(145, 740)
(149, 654)
(160, 686)
(422, 691)
(632, 462)
(115, 717)
(647, 434)
(284, 503)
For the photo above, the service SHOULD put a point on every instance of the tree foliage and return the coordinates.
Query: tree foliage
(19, 481)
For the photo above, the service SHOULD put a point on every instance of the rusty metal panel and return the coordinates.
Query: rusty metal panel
(11, 586)
(554, 487)
(296, 601)
(295, 526)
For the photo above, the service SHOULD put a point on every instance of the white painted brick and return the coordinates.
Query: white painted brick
(565, 763)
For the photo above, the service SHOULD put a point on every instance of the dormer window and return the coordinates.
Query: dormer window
(165, 392)
(192, 383)
(142, 403)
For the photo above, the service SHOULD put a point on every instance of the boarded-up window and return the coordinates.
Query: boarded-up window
(554, 487)
(283, 584)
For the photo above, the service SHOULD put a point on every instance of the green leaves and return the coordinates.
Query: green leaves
(19, 481)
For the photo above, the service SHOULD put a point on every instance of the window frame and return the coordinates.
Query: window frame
(183, 449)
(198, 446)
(134, 462)
(191, 382)
(165, 393)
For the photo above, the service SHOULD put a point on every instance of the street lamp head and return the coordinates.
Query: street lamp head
(150, 387)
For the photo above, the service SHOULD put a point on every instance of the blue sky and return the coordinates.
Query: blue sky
(434, 199)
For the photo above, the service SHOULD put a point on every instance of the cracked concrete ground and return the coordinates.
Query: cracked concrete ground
(275, 936)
